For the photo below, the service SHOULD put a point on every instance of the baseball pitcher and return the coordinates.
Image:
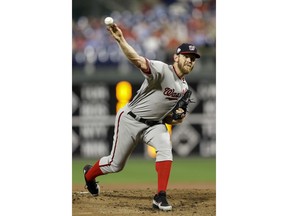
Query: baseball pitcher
(162, 98)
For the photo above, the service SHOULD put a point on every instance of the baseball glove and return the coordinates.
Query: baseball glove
(169, 118)
(178, 113)
(182, 103)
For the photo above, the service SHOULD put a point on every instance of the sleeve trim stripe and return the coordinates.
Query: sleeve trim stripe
(148, 71)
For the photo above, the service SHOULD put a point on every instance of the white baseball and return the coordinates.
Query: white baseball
(108, 21)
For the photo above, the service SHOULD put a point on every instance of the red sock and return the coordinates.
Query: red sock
(163, 169)
(94, 172)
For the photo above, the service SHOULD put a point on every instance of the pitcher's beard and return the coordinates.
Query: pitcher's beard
(185, 69)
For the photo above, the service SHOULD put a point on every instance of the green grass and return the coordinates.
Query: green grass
(139, 170)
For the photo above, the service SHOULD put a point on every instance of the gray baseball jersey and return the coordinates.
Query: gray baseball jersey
(158, 95)
(159, 92)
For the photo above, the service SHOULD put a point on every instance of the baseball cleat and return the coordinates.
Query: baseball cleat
(160, 202)
(92, 185)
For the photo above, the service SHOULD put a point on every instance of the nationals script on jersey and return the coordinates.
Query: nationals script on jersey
(159, 92)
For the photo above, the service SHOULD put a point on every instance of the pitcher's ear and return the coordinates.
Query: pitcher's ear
(176, 57)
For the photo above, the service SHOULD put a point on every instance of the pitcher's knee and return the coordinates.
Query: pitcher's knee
(163, 155)
(116, 168)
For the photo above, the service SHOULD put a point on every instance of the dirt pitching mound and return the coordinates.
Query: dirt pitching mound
(190, 199)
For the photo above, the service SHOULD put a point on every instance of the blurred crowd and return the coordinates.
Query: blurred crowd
(154, 32)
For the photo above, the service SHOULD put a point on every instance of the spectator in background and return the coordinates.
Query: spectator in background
(162, 26)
